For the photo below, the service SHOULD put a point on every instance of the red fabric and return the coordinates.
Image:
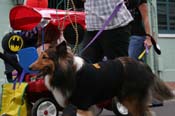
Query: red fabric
(37, 3)
(35, 85)
(63, 18)
(24, 18)
(36, 88)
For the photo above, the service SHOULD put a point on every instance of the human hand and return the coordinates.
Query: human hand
(147, 42)
(14, 74)
(155, 45)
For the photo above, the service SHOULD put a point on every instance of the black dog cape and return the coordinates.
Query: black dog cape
(98, 82)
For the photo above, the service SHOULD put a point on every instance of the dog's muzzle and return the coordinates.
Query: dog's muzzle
(42, 72)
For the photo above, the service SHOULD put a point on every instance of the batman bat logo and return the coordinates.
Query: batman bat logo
(15, 43)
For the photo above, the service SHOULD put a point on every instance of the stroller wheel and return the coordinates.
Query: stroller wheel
(45, 107)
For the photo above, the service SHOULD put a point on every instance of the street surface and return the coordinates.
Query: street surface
(168, 109)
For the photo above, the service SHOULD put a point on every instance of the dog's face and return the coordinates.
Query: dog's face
(43, 64)
(60, 56)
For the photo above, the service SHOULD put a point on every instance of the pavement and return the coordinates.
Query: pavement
(171, 85)
(167, 109)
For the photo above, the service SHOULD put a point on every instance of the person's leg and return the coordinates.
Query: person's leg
(93, 53)
(136, 46)
(115, 42)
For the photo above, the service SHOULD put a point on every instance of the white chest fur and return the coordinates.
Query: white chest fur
(59, 97)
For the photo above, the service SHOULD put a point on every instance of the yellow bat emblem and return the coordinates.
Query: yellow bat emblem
(15, 43)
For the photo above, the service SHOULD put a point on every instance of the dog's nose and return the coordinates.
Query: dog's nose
(30, 67)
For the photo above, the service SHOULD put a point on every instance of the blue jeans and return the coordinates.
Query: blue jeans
(136, 46)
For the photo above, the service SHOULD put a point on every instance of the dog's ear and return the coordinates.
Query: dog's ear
(61, 48)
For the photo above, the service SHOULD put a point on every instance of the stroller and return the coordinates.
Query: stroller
(39, 100)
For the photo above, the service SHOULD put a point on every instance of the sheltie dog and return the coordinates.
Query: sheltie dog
(73, 81)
